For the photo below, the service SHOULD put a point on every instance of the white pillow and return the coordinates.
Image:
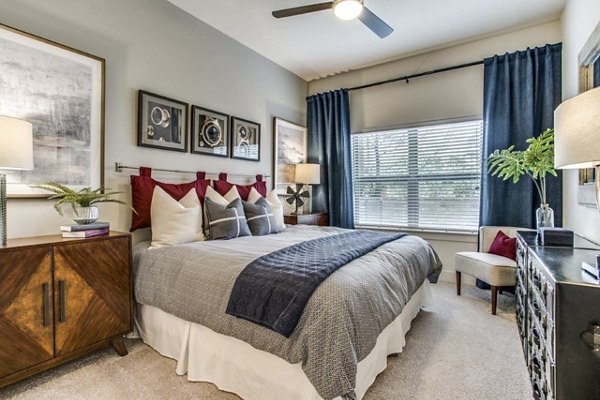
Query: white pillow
(175, 222)
(274, 203)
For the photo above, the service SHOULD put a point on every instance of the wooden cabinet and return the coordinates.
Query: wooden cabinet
(62, 298)
(319, 219)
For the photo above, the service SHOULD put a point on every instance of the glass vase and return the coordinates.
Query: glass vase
(544, 216)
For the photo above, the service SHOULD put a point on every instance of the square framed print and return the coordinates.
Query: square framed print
(60, 91)
(245, 139)
(290, 148)
(210, 132)
(162, 122)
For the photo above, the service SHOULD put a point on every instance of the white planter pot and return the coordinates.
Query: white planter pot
(85, 215)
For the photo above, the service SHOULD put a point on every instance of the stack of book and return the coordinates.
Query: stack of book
(85, 231)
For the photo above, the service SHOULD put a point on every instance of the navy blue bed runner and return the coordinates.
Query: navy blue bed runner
(273, 290)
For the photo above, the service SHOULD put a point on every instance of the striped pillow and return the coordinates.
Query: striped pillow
(226, 222)
(259, 215)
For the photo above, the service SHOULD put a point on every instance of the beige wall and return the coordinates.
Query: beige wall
(152, 45)
(447, 95)
(578, 21)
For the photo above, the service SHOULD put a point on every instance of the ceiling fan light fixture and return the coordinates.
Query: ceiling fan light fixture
(347, 9)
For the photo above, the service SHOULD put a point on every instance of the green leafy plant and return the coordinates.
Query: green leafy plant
(536, 162)
(85, 197)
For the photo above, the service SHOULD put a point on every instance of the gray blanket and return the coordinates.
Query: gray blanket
(341, 321)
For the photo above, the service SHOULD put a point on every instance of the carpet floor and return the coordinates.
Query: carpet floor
(455, 350)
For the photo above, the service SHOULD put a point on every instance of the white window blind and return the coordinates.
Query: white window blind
(422, 177)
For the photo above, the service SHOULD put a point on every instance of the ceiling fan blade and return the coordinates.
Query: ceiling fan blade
(374, 23)
(290, 12)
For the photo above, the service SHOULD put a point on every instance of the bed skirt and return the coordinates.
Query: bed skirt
(235, 366)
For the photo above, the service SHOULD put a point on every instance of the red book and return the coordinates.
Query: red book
(86, 234)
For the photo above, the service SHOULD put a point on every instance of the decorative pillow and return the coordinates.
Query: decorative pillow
(504, 246)
(175, 222)
(142, 191)
(274, 203)
(222, 186)
(260, 217)
(226, 222)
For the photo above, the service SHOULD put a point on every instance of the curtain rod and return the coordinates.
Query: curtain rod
(120, 167)
(407, 77)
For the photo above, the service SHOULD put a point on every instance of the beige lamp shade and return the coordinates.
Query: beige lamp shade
(16, 144)
(577, 131)
(309, 174)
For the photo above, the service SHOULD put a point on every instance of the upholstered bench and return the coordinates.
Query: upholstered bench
(497, 271)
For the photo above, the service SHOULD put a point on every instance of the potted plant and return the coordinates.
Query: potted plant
(83, 202)
(536, 162)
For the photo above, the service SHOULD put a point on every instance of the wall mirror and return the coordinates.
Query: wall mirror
(589, 77)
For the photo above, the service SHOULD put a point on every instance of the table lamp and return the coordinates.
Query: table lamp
(306, 175)
(577, 140)
(16, 153)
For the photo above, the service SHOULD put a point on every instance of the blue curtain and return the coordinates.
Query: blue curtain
(597, 73)
(521, 91)
(329, 145)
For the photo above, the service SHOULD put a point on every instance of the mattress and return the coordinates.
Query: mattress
(235, 366)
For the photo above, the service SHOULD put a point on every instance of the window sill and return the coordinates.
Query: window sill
(433, 235)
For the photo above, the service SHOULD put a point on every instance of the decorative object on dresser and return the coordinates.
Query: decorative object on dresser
(289, 149)
(557, 317)
(68, 113)
(62, 298)
(319, 219)
(16, 153)
(536, 161)
(498, 271)
(306, 175)
(162, 122)
(245, 139)
(210, 132)
(83, 202)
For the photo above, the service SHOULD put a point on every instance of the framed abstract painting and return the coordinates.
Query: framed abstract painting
(290, 148)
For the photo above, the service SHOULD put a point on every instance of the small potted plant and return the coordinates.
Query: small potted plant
(83, 202)
(536, 162)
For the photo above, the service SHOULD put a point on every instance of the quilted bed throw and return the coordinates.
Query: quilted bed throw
(273, 290)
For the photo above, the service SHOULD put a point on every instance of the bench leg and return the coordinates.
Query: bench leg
(494, 298)
(458, 283)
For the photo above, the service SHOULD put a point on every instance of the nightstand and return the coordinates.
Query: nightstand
(62, 298)
(319, 219)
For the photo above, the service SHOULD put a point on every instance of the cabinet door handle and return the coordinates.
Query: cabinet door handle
(61, 287)
(592, 339)
(46, 288)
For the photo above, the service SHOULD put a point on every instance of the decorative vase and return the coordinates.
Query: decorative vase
(544, 216)
(85, 215)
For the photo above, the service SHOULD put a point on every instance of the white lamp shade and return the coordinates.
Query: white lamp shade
(347, 9)
(16, 144)
(577, 131)
(309, 174)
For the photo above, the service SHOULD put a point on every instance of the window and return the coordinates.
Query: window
(422, 177)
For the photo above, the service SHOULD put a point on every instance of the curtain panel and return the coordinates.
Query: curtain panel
(329, 145)
(521, 92)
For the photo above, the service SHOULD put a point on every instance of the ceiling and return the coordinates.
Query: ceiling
(319, 44)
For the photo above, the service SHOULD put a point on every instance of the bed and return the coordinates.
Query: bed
(353, 320)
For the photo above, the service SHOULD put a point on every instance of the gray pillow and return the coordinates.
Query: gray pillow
(226, 222)
(260, 217)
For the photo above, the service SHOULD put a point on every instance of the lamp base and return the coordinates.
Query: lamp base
(2, 210)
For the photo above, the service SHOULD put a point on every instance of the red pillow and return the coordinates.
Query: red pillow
(504, 246)
(222, 186)
(142, 189)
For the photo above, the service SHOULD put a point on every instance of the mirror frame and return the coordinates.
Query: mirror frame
(588, 55)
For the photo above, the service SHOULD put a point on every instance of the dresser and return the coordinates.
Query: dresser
(62, 298)
(558, 317)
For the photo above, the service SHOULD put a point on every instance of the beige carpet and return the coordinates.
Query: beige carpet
(455, 350)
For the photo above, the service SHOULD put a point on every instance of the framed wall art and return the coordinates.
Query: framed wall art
(162, 122)
(210, 132)
(290, 148)
(245, 139)
(60, 91)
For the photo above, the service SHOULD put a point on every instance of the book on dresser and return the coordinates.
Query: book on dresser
(84, 227)
(87, 233)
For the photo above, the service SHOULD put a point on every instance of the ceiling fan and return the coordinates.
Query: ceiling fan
(343, 9)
